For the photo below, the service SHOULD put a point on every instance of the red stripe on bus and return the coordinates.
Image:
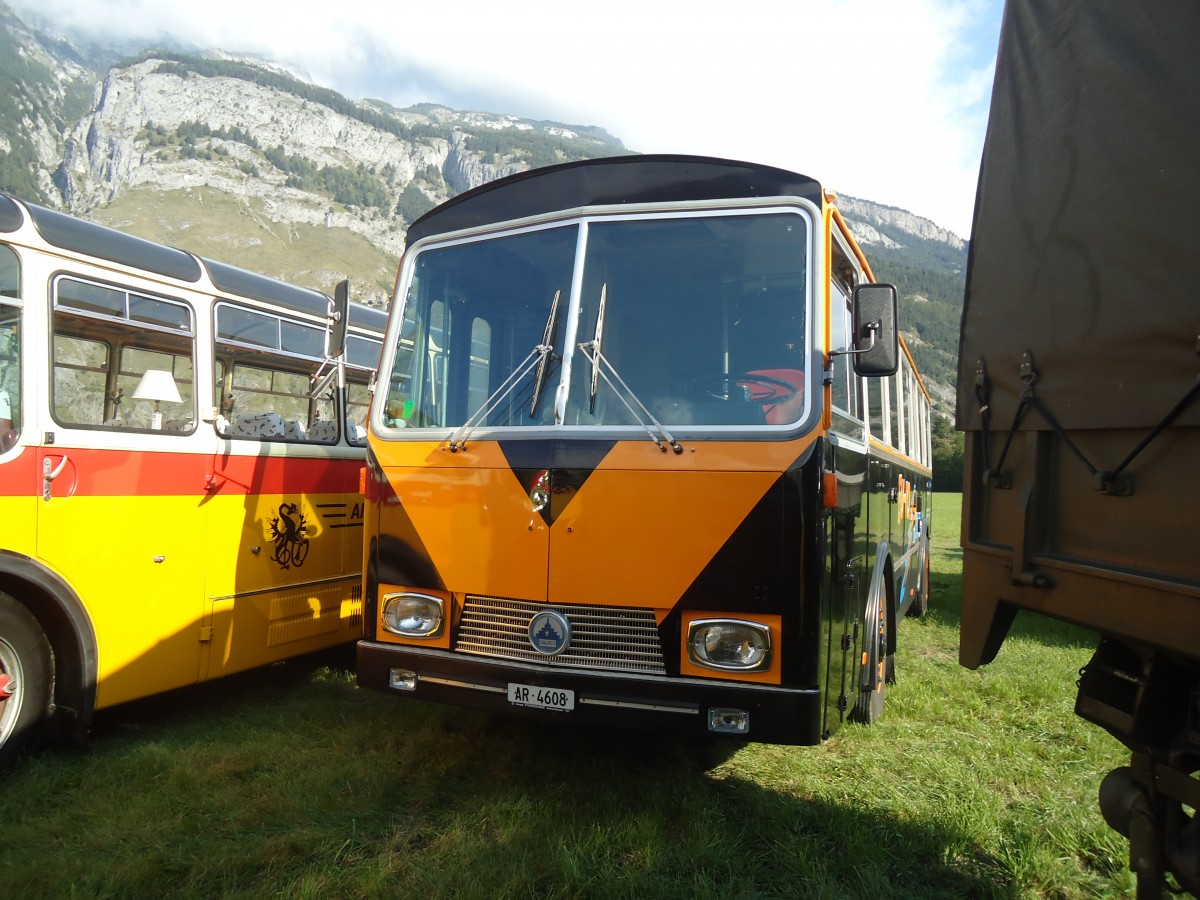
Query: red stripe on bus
(124, 473)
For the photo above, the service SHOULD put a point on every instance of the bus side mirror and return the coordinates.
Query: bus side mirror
(339, 319)
(876, 337)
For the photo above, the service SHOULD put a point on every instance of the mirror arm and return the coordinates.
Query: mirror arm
(872, 328)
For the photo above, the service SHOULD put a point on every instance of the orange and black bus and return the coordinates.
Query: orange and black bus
(645, 450)
(179, 469)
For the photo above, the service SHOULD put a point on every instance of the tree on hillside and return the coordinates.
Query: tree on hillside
(947, 456)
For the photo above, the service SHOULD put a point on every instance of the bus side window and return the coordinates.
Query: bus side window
(895, 411)
(136, 391)
(358, 402)
(122, 359)
(839, 338)
(272, 404)
(850, 410)
(362, 358)
(847, 386)
(10, 349)
(877, 407)
(267, 393)
(80, 377)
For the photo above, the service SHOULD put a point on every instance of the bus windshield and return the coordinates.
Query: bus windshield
(686, 319)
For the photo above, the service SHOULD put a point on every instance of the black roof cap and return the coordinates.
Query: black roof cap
(70, 233)
(614, 180)
(10, 214)
(368, 318)
(233, 280)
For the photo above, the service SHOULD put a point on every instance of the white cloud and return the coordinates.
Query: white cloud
(882, 100)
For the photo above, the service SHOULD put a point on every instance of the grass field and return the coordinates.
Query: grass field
(293, 782)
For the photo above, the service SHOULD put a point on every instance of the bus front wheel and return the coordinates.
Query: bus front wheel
(25, 670)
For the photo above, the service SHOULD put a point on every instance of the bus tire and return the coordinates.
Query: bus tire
(26, 666)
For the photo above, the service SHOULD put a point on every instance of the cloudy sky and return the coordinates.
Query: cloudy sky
(881, 99)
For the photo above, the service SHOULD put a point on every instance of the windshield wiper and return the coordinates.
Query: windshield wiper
(546, 349)
(591, 350)
(539, 355)
(595, 345)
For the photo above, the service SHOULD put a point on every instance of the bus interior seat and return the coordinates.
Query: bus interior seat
(323, 430)
(259, 425)
(294, 431)
(779, 406)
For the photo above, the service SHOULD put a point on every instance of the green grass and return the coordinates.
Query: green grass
(292, 782)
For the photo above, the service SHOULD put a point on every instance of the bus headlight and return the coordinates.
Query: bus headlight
(413, 615)
(733, 645)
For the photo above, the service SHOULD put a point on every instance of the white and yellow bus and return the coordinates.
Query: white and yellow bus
(180, 448)
(622, 468)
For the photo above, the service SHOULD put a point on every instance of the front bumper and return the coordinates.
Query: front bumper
(777, 715)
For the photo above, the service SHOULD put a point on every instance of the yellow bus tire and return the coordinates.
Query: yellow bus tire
(25, 677)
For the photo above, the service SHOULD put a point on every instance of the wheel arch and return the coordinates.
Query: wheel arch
(68, 628)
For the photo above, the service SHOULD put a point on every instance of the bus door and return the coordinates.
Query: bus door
(849, 547)
(282, 493)
(846, 543)
(119, 498)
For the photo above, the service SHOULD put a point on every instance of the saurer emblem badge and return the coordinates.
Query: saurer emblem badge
(550, 632)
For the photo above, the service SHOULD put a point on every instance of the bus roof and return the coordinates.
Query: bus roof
(79, 236)
(368, 318)
(10, 214)
(244, 283)
(69, 233)
(612, 180)
(1083, 251)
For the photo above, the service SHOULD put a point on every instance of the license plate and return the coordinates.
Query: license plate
(541, 697)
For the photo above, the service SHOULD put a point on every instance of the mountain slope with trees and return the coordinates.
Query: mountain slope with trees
(244, 161)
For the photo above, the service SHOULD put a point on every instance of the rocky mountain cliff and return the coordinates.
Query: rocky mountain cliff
(243, 161)
(275, 155)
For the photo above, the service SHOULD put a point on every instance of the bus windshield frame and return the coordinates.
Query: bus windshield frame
(603, 324)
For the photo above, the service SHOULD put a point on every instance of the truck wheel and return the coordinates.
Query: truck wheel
(25, 668)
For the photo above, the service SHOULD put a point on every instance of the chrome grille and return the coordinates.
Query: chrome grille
(612, 638)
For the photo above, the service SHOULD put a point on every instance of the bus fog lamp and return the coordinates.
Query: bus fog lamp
(729, 645)
(413, 615)
(728, 721)
(402, 679)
